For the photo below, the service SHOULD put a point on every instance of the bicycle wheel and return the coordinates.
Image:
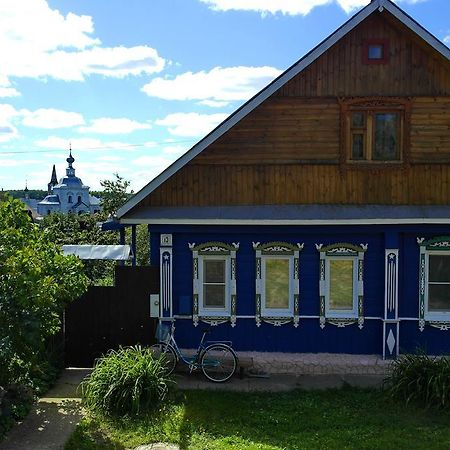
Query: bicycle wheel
(167, 355)
(218, 362)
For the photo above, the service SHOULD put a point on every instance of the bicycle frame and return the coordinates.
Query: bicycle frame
(193, 362)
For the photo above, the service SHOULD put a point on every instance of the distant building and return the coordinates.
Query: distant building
(69, 195)
(30, 202)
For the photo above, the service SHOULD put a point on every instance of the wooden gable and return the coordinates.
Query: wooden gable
(288, 149)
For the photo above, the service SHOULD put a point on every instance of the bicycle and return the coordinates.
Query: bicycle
(216, 359)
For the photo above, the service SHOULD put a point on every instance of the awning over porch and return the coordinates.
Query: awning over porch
(111, 252)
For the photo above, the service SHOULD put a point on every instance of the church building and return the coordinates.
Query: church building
(69, 195)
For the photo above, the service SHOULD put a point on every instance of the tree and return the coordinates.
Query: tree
(114, 194)
(78, 230)
(36, 282)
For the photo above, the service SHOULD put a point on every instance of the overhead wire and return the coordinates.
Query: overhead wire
(104, 147)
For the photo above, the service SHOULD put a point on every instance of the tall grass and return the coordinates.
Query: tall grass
(421, 378)
(126, 381)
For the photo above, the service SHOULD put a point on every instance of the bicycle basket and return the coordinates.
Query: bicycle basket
(162, 332)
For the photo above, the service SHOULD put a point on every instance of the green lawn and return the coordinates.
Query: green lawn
(336, 419)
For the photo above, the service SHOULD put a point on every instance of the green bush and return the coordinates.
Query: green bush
(421, 378)
(126, 381)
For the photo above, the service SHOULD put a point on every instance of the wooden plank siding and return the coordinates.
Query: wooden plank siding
(287, 150)
(419, 184)
(414, 68)
(281, 130)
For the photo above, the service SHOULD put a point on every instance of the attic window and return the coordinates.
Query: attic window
(374, 130)
(376, 51)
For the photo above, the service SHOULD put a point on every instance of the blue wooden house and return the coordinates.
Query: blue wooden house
(316, 217)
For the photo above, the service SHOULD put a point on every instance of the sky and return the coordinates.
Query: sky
(133, 84)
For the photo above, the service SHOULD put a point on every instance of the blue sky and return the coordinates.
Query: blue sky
(132, 84)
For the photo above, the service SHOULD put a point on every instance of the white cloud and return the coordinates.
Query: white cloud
(115, 62)
(175, 150)
(34, 24)
(213, 103)
(51, 118)
(191, 124)
(8, 92)
(55, 142)
(350, 5)
(7, 129)
(218, 85)
(107, 125)
(7, 162)
(46, 43)
(149, 168)
(287, 7)
(109, 158)
(447, 40)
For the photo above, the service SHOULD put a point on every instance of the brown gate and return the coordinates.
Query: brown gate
(107, 317)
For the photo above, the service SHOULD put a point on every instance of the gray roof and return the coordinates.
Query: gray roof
(73, 182)
(290, 214)
(51, 199)
(94, 201)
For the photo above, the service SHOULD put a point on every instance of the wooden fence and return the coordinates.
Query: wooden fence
(108, 317)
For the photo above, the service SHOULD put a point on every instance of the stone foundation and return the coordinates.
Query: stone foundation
(312, 363)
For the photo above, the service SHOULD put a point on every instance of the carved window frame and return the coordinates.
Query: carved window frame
(371, 106)
(221, 251)
(278, 250)
(347, 251)
(434, 246)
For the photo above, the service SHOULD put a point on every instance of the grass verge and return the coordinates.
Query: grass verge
(334, 419)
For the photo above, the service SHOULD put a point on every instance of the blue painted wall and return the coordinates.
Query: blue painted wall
(308, 337)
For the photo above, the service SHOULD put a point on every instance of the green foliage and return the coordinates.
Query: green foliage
(37, 194)
(142, 244)
(220, 420)
(36, 282)
(83, 229)
(421, 378)
(114, 194)
(15, 404)
(127, 381)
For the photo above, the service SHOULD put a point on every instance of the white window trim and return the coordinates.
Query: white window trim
(277, 312)
(212, 311)
(431, 316)
(215, 251)
(281, 250)
(341, 250)
(343, 313)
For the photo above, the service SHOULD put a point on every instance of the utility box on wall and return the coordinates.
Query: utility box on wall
(154, 305)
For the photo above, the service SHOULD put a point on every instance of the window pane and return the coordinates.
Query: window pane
(214, 271)
(214, 295)
(386, 137)
(439, 298)
(341, 284)
(439, 268)
(376, 51)
(357, 146)
(357, 119)
(277, 283)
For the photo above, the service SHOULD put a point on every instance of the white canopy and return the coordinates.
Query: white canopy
(115, 252)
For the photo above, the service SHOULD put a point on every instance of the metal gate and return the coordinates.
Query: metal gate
(105, 318)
